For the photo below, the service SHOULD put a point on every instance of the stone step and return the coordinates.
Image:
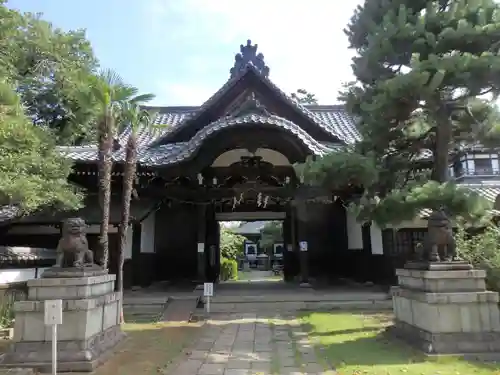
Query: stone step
(301, 297)
(240, 307)
(180, 310)
(144, 308)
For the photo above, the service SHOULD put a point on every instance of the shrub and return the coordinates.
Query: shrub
(231, 244)
(228, 269)
(482, 250)
(7, 310)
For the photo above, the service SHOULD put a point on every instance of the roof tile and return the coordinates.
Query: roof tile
(14, 254)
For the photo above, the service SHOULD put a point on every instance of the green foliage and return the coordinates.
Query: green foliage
(338, 170)
(424, 61)
(32, 172)
(303, 96)
(271, 233)
(231, 244)
(7, 309)
(422, 71)
(228, 269)
(405, 204)
(482, 250)
(49, 68)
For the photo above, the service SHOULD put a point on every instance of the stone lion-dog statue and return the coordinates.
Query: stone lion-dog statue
(73, 249)
(439, 244)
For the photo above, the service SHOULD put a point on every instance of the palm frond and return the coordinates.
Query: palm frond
(143, 98)
(111, 78)
(133, 116)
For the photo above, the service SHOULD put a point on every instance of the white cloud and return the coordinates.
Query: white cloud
(303, 42)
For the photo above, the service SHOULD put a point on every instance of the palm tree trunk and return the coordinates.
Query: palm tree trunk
(105, 131)
(128, 184)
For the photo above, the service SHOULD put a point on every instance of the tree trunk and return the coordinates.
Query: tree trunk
(128, 184)
(105, 130)
(440, 172)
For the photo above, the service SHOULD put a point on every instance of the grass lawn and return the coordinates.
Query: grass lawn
(353, 344)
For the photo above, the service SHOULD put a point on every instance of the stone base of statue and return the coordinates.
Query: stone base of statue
(444, 308)
(91, 321)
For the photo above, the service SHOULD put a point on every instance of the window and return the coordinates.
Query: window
(278, 248)
(402, 242)
(483, 166)
(251, 249)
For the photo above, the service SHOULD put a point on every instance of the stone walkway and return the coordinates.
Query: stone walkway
(252, 344)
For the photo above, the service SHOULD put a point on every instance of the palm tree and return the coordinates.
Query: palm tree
(135, 118)
(109, 93)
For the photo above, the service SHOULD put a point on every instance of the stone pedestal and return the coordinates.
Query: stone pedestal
(446, 309)
(91, 321)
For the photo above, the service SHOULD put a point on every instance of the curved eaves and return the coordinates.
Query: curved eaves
(229, 84)
(155, 156)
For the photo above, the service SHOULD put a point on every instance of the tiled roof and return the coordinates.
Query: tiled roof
(152, 156)
(332, 128)
(332, 119)
(79, 153)
(15, 254)
(9, 213)
(165, 120)
(336, 117)
(251, 227)
(172, 153)
(488, 191)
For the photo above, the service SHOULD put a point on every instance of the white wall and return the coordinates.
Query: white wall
(376, 239)
(148, 234)
(19, 275)
(354, 234)
(128, 243)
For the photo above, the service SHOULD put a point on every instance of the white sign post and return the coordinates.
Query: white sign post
(303, 246)
(208, 292)
(53, 317)
(201, 247)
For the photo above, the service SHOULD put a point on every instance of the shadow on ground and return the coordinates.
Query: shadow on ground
(150, 348)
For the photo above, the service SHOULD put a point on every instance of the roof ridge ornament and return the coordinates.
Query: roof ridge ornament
(248, 56)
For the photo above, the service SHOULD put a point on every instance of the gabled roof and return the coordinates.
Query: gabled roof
(334, 116)
(172, 153)
(156, 143)
(340, 131)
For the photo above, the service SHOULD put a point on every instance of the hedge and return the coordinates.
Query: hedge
(228, 269)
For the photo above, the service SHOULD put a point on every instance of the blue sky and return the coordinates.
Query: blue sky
(182, 50)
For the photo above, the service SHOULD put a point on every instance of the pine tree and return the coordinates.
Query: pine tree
(424, 70)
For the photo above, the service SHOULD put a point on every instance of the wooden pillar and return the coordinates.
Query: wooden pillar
(301, 222)
(287, 246)
(202, 239)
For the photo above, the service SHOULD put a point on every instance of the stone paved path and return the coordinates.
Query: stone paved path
(252, 344)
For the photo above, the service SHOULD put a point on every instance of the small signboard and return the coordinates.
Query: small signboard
(53, 312)
(201, 247)
(303, 246)
(53, 318)
(208, 289)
